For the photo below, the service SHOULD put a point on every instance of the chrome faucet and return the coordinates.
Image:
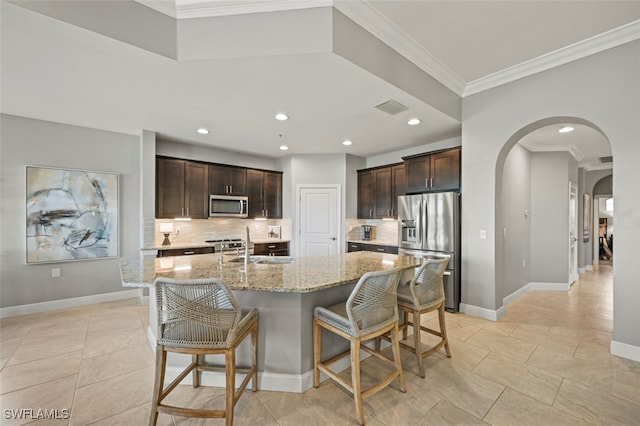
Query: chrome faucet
(222, 249)
(246, 249)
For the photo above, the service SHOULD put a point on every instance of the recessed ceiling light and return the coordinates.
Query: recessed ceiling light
(566, 129)
(202, 131)
(281, 116)
(413, 122)
(347, 142)
(284, 147)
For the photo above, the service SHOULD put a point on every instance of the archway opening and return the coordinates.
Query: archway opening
(544, 226)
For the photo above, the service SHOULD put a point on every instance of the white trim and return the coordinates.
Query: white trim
(369, 18)
(53, 305)
(163, 6)
(564, 55)
(516, 295)
(625, 350)
(589, 267)
(186, 9)
(483, 313)
(549, 286)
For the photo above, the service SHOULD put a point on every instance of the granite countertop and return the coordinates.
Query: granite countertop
(304, 275)
(375, 242)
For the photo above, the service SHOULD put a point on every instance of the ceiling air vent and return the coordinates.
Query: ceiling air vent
(391, 107)
(608, 159)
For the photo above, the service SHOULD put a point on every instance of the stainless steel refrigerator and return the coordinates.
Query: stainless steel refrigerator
(429, 225)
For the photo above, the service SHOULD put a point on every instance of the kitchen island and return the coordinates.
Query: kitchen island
(285, 295)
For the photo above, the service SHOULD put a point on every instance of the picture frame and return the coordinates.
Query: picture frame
(70, 214)
(274, 231)
(586, 218)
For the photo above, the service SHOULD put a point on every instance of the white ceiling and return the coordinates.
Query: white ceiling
(55, 71)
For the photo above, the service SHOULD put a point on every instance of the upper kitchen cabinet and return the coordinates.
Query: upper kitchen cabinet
(365, 194)
(264, 189)
(227, 180)
(181, 188)
(378, 191)
(437, 171)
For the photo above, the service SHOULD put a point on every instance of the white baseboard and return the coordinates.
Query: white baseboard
(483, 313)
(625, 350)
(548, 286)
(53, 305)
(281, 382)
(589, 268)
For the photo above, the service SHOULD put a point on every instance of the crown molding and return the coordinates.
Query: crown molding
(573, 52)
(186, 9)
(369, 18)
(168, 7)
(593, 167)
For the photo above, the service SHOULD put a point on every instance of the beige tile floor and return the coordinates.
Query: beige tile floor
(546, 362)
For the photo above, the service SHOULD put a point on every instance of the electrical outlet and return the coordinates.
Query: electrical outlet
(55, 272)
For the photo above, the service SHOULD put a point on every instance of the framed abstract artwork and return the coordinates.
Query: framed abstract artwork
(71, 214)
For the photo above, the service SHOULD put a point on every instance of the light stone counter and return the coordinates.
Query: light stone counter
(285, 296)
(304, 275)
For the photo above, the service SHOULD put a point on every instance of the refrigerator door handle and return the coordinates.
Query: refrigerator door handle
(447, 272)
(419, 223)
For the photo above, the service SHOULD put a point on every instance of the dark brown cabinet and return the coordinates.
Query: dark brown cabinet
(365, 194)
(227, 180)
(185, 251)
(182, 189)
(378, 191)
(351, 247)
(280, 248)
(437, 171)
(264, 189)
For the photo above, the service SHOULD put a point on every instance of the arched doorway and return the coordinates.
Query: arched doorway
(536, 172)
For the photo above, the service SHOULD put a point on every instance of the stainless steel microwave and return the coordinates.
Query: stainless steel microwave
(228, 206)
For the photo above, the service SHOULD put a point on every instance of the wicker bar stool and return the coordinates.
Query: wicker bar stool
(201, 317)
(424, 293)
(370, 311)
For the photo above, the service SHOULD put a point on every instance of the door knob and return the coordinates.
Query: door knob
(332, 238)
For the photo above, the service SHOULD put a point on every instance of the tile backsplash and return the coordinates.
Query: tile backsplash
(384, 231)
(197, 231)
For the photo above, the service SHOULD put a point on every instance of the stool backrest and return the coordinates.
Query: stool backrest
(199, 313)
(373, 302)
(427, 286)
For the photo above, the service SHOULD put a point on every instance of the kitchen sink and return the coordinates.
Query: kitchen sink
(276, 259)
(264, 259)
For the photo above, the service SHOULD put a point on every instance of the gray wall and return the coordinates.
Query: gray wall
(549, 217)
(602, 88)
(33, 142)
(516, 200)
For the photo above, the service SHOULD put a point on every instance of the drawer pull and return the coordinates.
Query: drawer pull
(189, 252)
(380, 249)
(271, 246)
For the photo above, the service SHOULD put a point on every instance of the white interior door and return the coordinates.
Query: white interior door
(319, 219)
(573, 232)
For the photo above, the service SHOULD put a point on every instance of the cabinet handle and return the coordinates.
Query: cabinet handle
(230, 189)
(266, 213)
(182, 211)
(431, 183)
(370, 212)
(189, 252)
(271, 246)
(380, 249)
(426, 183)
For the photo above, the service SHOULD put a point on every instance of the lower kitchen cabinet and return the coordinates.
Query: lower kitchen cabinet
(351, 247)
(185, 251)
(271, 249)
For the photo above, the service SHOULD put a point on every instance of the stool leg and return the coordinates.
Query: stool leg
(443, 330)
(355, 379)
(230, 367)
(254, 357)
(158, 385)
(395, 341)
(417, 341)
(317, 352)
(195, 374)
